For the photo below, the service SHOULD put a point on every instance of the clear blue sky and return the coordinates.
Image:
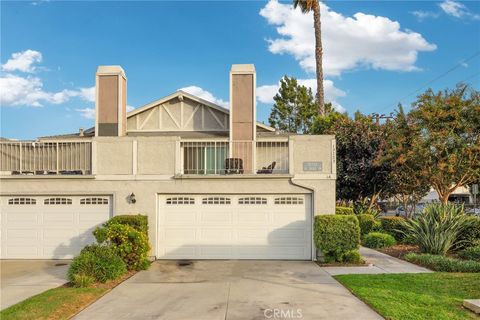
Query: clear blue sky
(375, 53)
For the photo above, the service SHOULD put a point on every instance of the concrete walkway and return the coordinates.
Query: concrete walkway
(377, 263)
(230, 290)
(21, 279)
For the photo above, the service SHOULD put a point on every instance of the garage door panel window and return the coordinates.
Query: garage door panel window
(21, 201)
(180, 200)
(100, 201)
(288, 200)
(56, 201)
(216, 200)
(50, 227)
(252, 200)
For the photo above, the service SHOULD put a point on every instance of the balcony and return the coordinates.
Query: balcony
(237, 157)
(46, 158)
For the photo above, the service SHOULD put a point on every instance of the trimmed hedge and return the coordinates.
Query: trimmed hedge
(471, 253)
(442, 263)
(98, 262)
(352, 256)
(471, 235)
(378, 240)
(344, 211)
(138, 222)
(394, 226)
(130, 244)
(366, 222)
(336, 235)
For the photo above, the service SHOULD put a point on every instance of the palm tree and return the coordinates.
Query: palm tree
(307, 6)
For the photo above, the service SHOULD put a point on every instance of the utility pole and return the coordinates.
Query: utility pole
(379, 117)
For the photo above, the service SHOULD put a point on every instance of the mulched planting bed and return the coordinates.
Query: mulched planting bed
(399, 250)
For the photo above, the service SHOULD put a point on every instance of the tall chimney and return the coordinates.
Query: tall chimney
(111, 101)
(243, 114)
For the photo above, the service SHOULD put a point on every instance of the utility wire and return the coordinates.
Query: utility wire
(458, 65)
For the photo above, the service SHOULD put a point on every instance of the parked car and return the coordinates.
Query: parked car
(473, 211)
(400, 210)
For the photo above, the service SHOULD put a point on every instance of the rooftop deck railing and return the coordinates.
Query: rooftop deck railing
(234, 157)
(45, 158)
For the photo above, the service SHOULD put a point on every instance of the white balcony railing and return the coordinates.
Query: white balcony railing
(237, 157)
(44, 158)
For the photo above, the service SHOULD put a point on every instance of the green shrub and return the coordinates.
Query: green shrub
(352, 256)
(378, 240)
(442, 263)
(470, 235)
(130, 244)
(437, 228)
(335, 235)
(366, 222)
(100, 262)
(82, 280)
(377, 226)
(394, 227)
(138, 222)
(344, 210)
(470, 253)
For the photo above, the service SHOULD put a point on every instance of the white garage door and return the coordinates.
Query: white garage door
(234, 227)
(49, 227)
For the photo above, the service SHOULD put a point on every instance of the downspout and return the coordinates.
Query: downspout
(312, 244)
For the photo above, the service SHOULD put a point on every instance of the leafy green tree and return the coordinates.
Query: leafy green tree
(407, 170)
(324, 123)
(294, 108)
(361, 176)
(307, 6)
(448, 146)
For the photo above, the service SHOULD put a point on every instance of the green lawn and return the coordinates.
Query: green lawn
(58, 303)
(416, 296)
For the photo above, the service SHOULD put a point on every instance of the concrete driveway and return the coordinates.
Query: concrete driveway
(230, 290)
(21, 279)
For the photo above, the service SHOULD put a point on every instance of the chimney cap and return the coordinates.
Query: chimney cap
(112, 70)
(243, 68)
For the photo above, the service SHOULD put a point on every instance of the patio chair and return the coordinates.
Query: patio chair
(233, 166)
(268, 169)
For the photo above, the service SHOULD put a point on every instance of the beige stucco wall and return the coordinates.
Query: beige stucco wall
(114, 155)
(313, 149)
(145, 191)
(146, 166)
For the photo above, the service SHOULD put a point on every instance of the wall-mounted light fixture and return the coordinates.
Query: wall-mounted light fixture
(131, 198)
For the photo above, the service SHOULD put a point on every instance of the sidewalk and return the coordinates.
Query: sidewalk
(377, 263)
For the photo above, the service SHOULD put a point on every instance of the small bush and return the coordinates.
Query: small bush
(377, 226)
(352, 256)
(131, 245)
(437, 228)
(378, 240)
(442, 263)
(471, 253)
(138, 222)
(366, 222)
(335, 235)
(394, 227)
(82, 280)
(344, 210)
(99, 262)
(470, 235)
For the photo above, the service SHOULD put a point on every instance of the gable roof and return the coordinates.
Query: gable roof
(90, 132)
(179, 93)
